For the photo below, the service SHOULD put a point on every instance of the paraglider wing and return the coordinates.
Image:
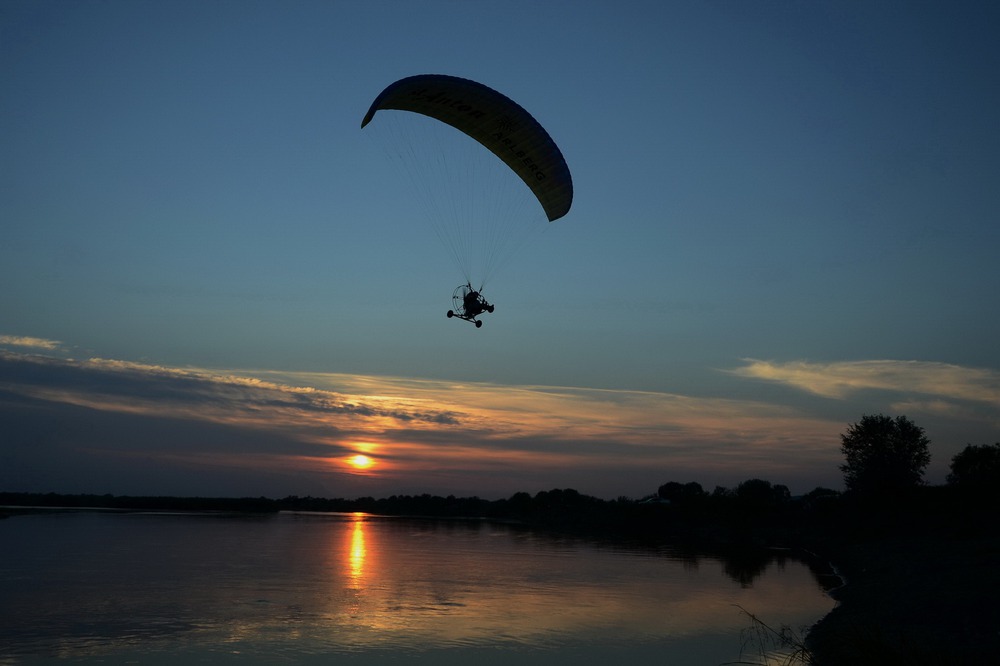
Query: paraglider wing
(495, 121)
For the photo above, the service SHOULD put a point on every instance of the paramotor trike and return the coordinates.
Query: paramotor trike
(469, 304)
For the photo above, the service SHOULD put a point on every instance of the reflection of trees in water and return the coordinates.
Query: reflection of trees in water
(745, 566)
(742, 565)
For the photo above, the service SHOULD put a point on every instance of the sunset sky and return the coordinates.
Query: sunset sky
(786, 216)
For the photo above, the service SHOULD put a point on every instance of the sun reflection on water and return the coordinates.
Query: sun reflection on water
(357, 552)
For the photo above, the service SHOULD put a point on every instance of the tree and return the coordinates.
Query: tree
(755, 492)
(681, 493)
(976, 467)
(760, 494)
(884, 455)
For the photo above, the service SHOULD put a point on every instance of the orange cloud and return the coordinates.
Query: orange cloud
(309, 421)
(838, 380)
(27, 341)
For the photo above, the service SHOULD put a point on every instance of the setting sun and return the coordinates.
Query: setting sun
(360, 461)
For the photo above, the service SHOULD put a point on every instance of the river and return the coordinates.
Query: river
(155, 588)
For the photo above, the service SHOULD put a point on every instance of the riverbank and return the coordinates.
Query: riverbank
(916, 594)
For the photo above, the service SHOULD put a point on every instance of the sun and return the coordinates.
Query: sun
(360, 461)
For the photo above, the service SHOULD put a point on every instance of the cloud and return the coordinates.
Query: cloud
(839, 380)
(428, 435)
(25, 341)
(507, 414)
(122, 386)
(271, 432)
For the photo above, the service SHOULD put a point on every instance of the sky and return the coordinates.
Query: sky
(213, 281)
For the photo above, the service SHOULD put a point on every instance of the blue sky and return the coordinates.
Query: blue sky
(785, 217)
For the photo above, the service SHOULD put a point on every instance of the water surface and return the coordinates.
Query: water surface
(355, 589)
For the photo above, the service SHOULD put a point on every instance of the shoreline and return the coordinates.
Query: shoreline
(913, 600)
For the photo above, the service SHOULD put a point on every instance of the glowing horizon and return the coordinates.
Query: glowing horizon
(390, 432)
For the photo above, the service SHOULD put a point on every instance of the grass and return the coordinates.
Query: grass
(763, 645)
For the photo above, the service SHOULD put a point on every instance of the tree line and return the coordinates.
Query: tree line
(884, 462)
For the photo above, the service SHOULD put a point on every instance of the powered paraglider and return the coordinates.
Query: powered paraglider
(484, 186)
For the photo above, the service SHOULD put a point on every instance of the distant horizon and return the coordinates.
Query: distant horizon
(151, 429)
(272, 498)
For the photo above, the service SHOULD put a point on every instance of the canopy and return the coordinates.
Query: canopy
(495, 121)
